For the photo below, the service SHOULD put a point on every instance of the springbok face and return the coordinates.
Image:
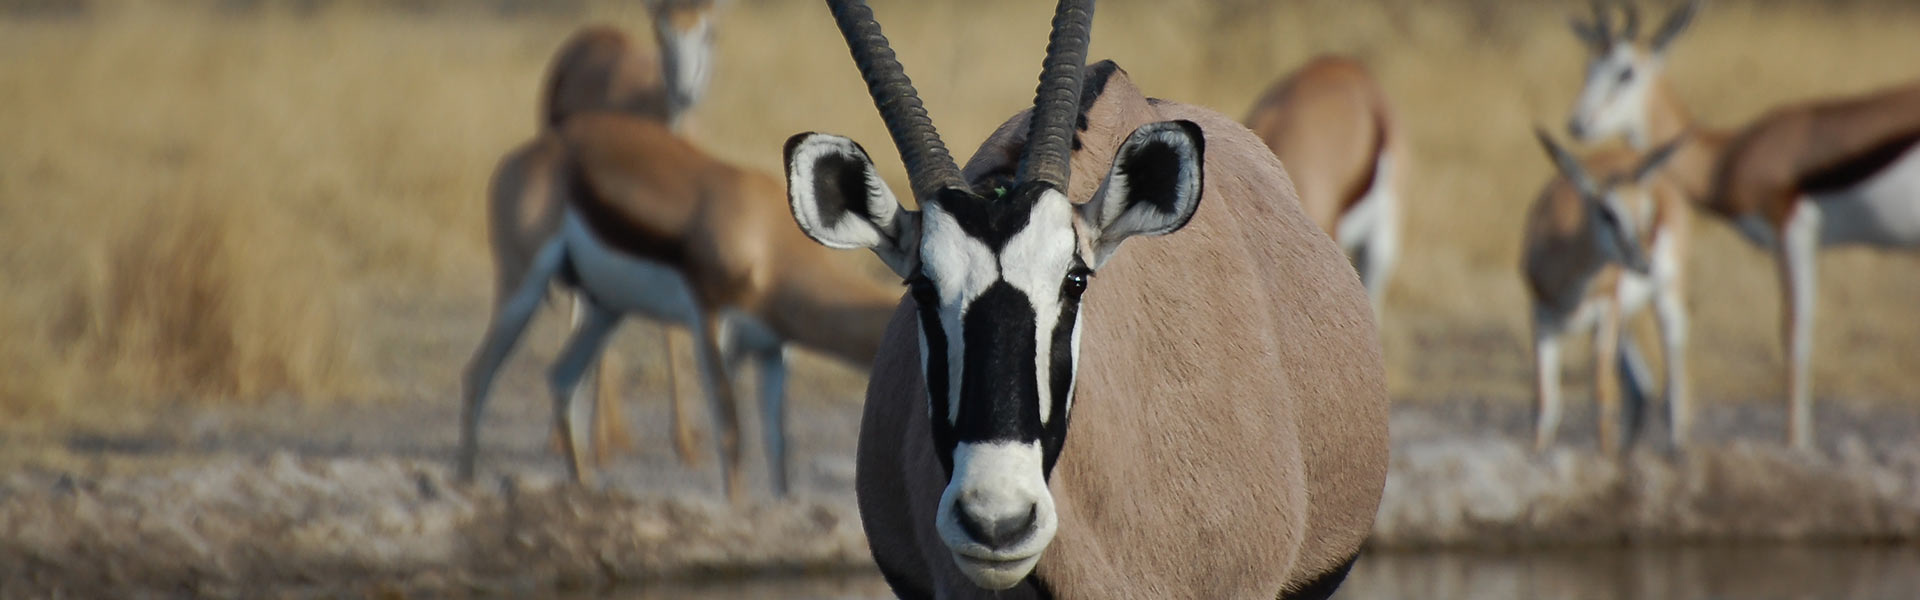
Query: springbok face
(1620, 75)
(997, 277)
(684, 32)
(1615, 204)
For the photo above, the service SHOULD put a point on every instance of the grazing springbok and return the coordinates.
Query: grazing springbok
(1602, 239)
(654, 227)
(1230, 410)
(1818, 173)
(1331, 126)
(599, 68)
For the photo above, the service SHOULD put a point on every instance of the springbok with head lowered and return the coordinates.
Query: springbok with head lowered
(1222, 375)
(1803, 176)
(1331, 126)
(1602, 240)
(598, 69)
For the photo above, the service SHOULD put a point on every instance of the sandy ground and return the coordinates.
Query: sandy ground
(284, 500)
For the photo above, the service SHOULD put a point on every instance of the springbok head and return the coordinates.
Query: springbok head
(1621, 71)
(684, 31)
(996, 274)
(1616, 203)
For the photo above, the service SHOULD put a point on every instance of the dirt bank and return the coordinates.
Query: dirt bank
(331, 501)
(242, 527)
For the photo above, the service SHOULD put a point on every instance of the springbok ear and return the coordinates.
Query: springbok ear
(1676, 22)
(1653, 161)
(1153, 188)
(1588, 35)
(839, 200)
(1568, 166)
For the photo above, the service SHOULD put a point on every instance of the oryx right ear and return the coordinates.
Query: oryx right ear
(839, 200)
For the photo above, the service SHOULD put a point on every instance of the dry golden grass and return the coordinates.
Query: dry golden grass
(198, 205)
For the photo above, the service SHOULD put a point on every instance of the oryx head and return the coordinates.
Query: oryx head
(1616, 204)
(684, 31)
(1621, 71)
(997, 274)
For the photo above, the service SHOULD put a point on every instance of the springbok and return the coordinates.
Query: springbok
(1231, 412)
(1814, 174)
(1829, 172)
(652, 226)
(598, 68)
(1331, 126)
(1602, 239)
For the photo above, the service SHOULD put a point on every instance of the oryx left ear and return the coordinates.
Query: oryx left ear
(1153, 189)
(839, 200)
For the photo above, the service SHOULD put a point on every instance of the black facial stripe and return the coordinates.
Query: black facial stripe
(998, 380)
(1060, 373)
(927, 301)
(993, 222)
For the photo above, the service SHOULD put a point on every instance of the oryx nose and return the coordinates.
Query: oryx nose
(1575, 127)
(997, 531)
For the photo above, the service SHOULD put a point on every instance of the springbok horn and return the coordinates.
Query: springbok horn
(1631, 31)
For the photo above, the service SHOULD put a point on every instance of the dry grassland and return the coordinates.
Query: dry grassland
(202, 206)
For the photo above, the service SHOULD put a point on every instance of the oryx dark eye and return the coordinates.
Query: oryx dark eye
(1076, 282)
(1626, 75)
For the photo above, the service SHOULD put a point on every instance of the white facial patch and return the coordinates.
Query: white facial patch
(1610, 105)
(691, 52)
(964, 267)
(1035, 261)
(995, 482)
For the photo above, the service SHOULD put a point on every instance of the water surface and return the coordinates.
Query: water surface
(1652, 573)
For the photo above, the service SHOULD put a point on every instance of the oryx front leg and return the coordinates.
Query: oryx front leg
(1546, 381)
(574, 418)
(1671, 312)
(1797, 257)
(509, 323)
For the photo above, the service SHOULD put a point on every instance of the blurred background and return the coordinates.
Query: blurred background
(254, 231)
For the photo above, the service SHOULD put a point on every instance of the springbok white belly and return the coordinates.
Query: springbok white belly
(625, 283)
(1883, 210)
(1370, 216)
(1636, 289)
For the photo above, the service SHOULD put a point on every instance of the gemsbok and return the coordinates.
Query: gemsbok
(1602, 240)
(1802, 176)
(1331, 126)
(598, 68)
(652, 226)
(1230, 409)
